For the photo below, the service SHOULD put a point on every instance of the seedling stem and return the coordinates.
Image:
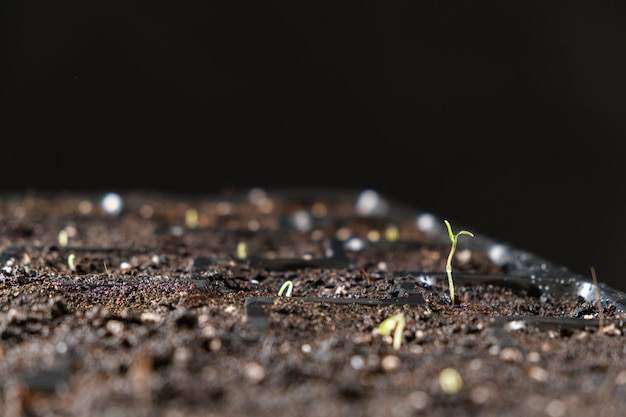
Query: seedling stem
(453, 239)
(395, 322)
(287, 285)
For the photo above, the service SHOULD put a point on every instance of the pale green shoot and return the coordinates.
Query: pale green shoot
(395, 322)
(453, 239)
(287, 285)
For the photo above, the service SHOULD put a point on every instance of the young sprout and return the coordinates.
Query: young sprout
(191, 218)
(453, 239)
(287, 285)
(242, 250)
(63, 237)
(395, 322)
(598, 300)
(71, 262)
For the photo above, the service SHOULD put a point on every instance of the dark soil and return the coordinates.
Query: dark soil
(163, 317)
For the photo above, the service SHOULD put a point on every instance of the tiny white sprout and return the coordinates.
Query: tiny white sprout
(191, 218)
(242, 250)
(394, 324)
(71, 262)
(287, 285)
(63, 237)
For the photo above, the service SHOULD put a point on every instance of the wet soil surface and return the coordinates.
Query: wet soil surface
(171, 308)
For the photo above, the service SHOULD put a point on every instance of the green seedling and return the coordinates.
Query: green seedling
(287, 285)
(453, 239)
(393, 324)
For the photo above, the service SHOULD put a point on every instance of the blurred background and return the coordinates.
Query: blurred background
(505, 117)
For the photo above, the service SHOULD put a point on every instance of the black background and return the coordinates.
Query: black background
(505, 117)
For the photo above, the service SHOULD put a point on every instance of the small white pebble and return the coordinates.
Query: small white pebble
(538, 374)
(215, 344)
(177, 231)
(302, 221)
(370, 203)
(12, 315)
(112, 204)
(85, 207)
(515, 325)
(494, 350)
(355, 244)
(611, 330)
(224, 208)
(182, 355)
(253, 225)
(115, 327)
(266, 205)
(476, 364)
(256, 196)
(498, 254)
(620, 379)
(124, 265)
(146, 211)
(357, 362)
(230, 309)
(382, 266)
(419, 400)
(61, 347)
(373, 235)
(533, 357)
(426, 222)
(390, 363)
(480, 395)
(343, 233)
(416, 349)
(510, 354)
(254, 372)
(464, 256)
(150, 317)
(306, 348)
(556, 408)
(209, 331)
